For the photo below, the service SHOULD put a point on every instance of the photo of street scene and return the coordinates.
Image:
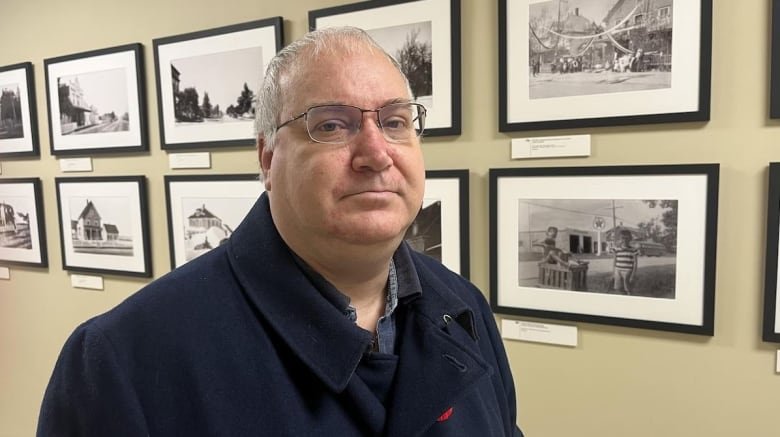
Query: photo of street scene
(424, 235)
(587, 47)
(101, 225)
(216, 88)
(94, 102)
(11, 121)
(613, 246)
(209, 221)
(15, 222)
(410, 45)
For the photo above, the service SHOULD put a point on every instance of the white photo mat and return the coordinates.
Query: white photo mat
(18, 76)
(682, 96)
(263, 38)
(438, 13)
(244, 191)
(124, 60)
(447, 190)
(689, 190)
(22, 197)
(94, 191)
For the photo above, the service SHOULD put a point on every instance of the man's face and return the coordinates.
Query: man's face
(364, 192)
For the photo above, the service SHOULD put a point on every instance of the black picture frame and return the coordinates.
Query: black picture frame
(568, 272)
(237, 56)
(774, 73)
(441, 228)
(771, 319)
(22, 227)
(97, 101)
(87, 241)
(601, 91)
(19, 126)
(383, 20)
(200, 207)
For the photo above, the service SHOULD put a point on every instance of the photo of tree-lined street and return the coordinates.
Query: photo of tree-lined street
(614, 246)
(217, 87)
(94, 102)
(587, 47)
(11, 121)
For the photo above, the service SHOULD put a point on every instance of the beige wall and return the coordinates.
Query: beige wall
(617, 382)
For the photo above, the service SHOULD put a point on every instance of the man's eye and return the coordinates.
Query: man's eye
(331, 126)
(395, 123)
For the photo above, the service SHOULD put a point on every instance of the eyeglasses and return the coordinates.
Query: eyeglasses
(338, 124)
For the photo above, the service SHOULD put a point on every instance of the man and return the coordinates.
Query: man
(314, 319)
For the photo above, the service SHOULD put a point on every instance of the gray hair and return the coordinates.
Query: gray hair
(300, 52)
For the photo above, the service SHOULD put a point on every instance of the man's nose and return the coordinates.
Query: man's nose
(370, 148)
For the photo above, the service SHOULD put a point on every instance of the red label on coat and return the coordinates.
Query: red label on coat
(446, 415)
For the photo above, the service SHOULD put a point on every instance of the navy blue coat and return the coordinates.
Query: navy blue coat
(238, 342)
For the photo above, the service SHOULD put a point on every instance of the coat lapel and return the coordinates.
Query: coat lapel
(438, 359)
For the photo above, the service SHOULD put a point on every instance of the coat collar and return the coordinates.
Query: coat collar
(332, 346)
(326, 341)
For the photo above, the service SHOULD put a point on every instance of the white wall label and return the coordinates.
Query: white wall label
(5, 273)
(539, 332)
(89, 282)
(189, 160)
(551, 147)
(778, 362)
(75, 164)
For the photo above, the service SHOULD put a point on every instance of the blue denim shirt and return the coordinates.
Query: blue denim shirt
(402, 281)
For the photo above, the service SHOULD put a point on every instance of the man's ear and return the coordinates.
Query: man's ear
(265, 154)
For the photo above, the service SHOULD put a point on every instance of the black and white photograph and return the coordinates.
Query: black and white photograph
(424, 37)
(93, 103)
(204, 210)
(97, 102)
(18, 121)
(410, 45)
(771, 325)
(103, 225)
(622, 245)
(614, 246)
(208, 83)
(22, 232)
(586, 47)
(441, 228)
(581, 63)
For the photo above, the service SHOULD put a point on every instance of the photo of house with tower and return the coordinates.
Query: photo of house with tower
(90, 233)
(203, 231)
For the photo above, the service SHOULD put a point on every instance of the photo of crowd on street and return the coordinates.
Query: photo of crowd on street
(614, 246)
(590, 47)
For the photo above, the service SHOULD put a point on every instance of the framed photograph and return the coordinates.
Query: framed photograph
(587, 63)
(207, 82)
(601, 245)
(18, 120)
(204, 210)
(97, 101)
(424, 37)
(441, 229)
(22, 230)
(104, 225)
(771, 296)
(774, 97)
